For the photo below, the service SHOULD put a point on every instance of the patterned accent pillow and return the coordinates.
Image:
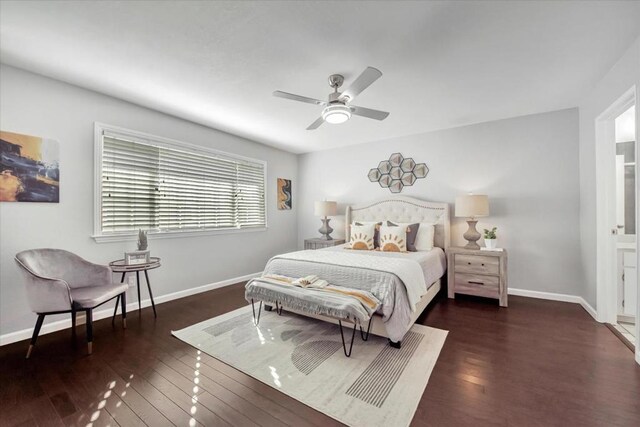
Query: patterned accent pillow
(393, 239)
(376, 234)
(412, 233)
(361, 237)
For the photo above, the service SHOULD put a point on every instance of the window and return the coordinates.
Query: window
(170, 187)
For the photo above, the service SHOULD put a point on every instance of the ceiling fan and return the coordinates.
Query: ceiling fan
(338, 108)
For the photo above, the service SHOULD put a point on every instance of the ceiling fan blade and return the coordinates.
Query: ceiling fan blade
(368, 113)
(364, 80)
(293, 97)
(316, 124)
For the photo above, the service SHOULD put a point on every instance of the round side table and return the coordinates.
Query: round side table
(119, 266)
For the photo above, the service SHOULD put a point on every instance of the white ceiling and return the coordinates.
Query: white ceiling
(445, 64)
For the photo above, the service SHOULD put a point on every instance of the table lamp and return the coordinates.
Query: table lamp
(472, 206)
(325, 209)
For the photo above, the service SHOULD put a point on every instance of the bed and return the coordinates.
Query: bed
(382, 273)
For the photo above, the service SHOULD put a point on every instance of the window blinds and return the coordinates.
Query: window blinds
(152, 187)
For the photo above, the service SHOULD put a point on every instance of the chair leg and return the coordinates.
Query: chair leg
(73, 324)
(115, 310)
(123, 302)
(90, 330)
(36, 331)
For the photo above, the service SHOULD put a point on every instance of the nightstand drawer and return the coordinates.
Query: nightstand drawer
(477, 264)
(475, 281)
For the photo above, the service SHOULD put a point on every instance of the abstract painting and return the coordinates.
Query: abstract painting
(29, 168)
(284, 194)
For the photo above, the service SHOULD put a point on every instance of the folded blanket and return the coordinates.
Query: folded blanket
(333, 301)
(303, 282)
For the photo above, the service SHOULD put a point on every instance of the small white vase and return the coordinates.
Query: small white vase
(490, 243)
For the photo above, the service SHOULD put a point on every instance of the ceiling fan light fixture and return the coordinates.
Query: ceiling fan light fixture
(337, 113)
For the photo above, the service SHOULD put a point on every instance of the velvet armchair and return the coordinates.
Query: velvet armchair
(58, 281)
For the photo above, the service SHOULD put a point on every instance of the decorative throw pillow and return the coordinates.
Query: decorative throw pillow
(376, 234)
(424, 239)
(361, 237)
(393, 239)
(412, 233)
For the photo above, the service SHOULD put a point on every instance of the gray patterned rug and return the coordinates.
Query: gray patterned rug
(303, 358)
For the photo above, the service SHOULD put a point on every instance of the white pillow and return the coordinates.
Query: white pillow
(424, 239)
(393, 239)
(361, 237)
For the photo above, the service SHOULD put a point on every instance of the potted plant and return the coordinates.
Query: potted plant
(490, 238)
(142, 240)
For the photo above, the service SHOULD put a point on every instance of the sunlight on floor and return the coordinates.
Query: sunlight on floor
(260, 336)
(276, 377)
(105, 396)
(196, 381)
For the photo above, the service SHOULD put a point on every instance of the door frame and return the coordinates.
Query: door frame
(606, 248)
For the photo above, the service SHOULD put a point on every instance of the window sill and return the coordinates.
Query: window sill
(108, 238)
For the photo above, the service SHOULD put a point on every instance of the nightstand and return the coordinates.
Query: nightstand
(317, 243)
(480, 273)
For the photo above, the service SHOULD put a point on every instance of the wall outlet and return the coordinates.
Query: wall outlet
(131, 281)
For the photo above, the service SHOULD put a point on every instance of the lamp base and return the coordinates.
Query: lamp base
(472, 235)
(326, 229)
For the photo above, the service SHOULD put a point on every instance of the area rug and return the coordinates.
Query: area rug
(303, 358)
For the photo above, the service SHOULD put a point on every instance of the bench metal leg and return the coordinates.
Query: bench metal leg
(362, 334)
(256, 320)
(344, 344)
(278, 308)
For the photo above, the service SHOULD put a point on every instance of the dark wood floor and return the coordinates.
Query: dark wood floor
(537, 363)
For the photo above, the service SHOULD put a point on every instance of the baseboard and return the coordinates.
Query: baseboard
(638, 357)
(101, 314)
(108, 312)
(555, 297)
(589, 309)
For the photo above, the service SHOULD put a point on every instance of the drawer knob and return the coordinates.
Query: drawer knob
(469, 263)
(476, 283)
(483, 265)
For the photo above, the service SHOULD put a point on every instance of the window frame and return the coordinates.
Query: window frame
(142, 137)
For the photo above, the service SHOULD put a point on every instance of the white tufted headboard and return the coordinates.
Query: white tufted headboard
(403, 209)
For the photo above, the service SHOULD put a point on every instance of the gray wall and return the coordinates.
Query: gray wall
(527, 165)
(36, 105)
(613, 85)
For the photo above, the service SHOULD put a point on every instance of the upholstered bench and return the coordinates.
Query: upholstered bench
(343, 304)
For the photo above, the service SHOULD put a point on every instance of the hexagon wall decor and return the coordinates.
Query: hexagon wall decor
(397, 172)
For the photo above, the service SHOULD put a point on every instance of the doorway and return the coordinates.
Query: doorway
(627, 289)
(617, 207)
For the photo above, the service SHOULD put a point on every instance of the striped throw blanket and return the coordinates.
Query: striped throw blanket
(333, 301)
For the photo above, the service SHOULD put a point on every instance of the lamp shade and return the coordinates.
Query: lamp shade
(472, 205)
(326, 208)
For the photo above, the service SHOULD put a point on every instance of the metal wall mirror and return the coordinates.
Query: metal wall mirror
(397, 172)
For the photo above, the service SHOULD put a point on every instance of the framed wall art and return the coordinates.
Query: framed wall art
(29, 168)
(285, 202)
